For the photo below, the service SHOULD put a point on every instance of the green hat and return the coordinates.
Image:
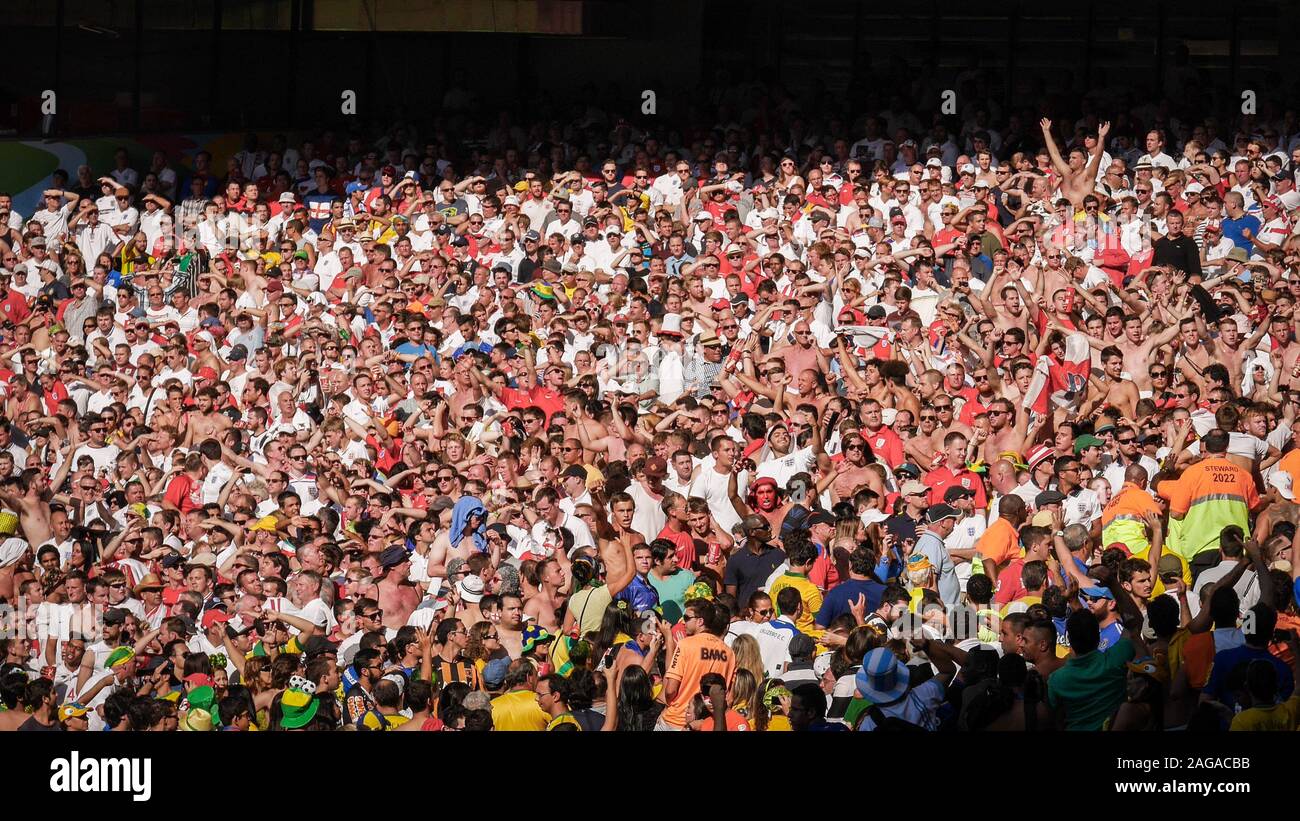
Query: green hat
(298, 708)
(119, 657)
(1086, 441)
(300, 255)
(201, 698)
(535, 634)
(699, 590)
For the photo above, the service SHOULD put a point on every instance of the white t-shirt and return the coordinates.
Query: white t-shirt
(105, 457)
(781, 468)
(649, 518)
(1082, 507)
(773, 643)
(712, 486)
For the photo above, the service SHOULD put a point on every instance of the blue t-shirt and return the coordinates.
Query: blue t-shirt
(639, 595)
(417, 350)
(1232, 230)
(1226, 660)
(838, 597)
(1110, 635)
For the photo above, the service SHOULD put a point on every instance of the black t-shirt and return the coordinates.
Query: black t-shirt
(31, 725)
(1181, 253)
(748, 571)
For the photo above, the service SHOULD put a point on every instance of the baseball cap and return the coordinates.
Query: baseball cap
(319, 646)
(1049, 497)
(1098, 592)
(393, 556)
(494, 674)
(214, 617)
(909, 469)
(1169, 564)
(655, 466)
(801, 646)
(820, 517)
(1086, 441)
(576, 472)
(956, 492)
(1283, 482)
(939, 512)
(442, 503)
(912, 488)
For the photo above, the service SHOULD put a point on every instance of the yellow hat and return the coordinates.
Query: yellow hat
(266, 523)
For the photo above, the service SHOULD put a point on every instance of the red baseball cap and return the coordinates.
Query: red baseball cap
(721, 304)
(214, 617)
(207, 372)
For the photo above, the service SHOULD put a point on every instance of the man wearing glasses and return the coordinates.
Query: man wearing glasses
(59, 207)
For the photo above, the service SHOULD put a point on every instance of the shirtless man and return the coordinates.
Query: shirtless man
(768, 502)
(1112, 388)
(33, 509)
(467, 390)
(852, 471)
(1079, 173)
(616, 553)
(511, 627)
(1008, 430)
(1231, 350)
(1007, 311)
(398, 598)
(1192, 355)
(204, 422)
(1138, 349)
(549, 600)
(582, 427)
(803, 354)
(920, 448)
(442, 551)
(21, 399)
(947, 424)
(878, 388)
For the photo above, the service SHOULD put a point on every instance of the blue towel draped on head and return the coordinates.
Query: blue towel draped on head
(469, 506)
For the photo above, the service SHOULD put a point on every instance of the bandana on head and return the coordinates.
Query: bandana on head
(119, 657)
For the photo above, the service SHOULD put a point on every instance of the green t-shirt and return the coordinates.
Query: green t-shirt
(1091, 687)
(672, 593)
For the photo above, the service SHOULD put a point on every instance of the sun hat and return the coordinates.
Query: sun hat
(470, 589)
(196, 720)
(534, 635)
(297, 708)
(882, 679)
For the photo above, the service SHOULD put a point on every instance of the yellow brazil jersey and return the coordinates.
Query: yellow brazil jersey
(374, 720)
(566, 718)
(812, 599)
(1276, 717)
(518, 710)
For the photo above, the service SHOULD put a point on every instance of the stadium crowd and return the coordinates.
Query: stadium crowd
(861, 424)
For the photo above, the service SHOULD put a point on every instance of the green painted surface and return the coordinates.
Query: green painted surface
(22, 166)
